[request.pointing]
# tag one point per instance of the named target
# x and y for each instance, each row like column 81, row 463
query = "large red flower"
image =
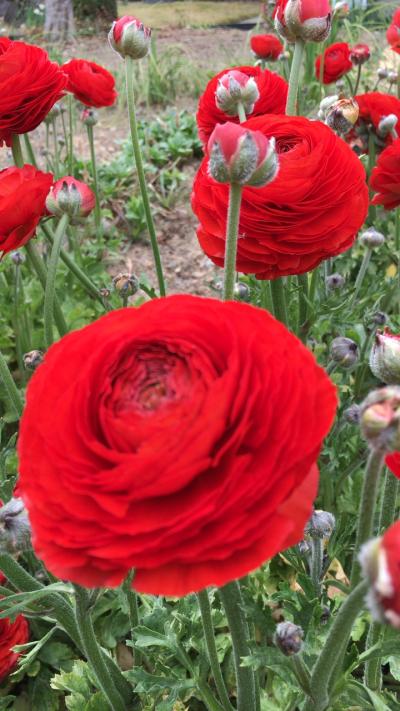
column 23, row 193
column 373, row 107
column 266, row 46
column 393, row 32
column 29, row 86
column 11, row 634
column 90, row 83
column 336, row 62
column 385, row 177
column 310, row 212
column 273, row 92
column 178, row 439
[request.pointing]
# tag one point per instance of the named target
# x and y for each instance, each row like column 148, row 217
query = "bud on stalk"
column 384, row 359
column 380, row 563
column 342, row 115
column 240, row 156
column 71, row 197
column 129, row 37
column 380, row 419
column 288, row 638
column 235, row 92
column 308, row 20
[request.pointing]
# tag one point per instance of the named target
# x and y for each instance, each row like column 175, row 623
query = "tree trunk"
column 59, row 20
column 103, row 10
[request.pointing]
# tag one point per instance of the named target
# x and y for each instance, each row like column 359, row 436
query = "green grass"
column 189, row 14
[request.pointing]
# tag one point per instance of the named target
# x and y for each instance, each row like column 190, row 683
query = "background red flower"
column 336, row 62
column 11, row 634
column 179, row 438
column 29, row 86
column 310, row 212
column 385, row 177
column 273, row 92
column 90, row 83
column 393, row 32
column 266, row 46
column 23, row 193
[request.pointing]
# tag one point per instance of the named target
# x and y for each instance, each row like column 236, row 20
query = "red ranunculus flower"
column 336, row 62
column 310, row 212
column 385, row 177
column 23, row 193
column 11, row 634
column 273, row 93
column 178, row 439
column 90, row 83
column 29, row 86
column 393, row 32
column 266, row 46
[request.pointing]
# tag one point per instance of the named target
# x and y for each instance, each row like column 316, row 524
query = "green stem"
column 71, row 135
column 357, row 79
column 129, row 66
column 40, row 269
column 93, row 652
column 17, row 150
column 361, row 274
column 302, row 280
column 131, row 599
column 87, row 284
column 265, row 295
column 373, row 668
column 294, row 78
column 29, row 150
column 56, row 152
column 350, row 85
column 301, row 671
column 317, row 555
column 321, row 70
column 232, row 230
column 97, row 209
column 50, row 290
column 334, row 646
column 231, row 597
column 205, row 609
column 241, row 112
column 279, row 300
column 10, row 386
column 367, row 508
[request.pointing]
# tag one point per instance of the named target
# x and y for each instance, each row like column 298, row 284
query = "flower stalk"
column 50, row 289
column 10, row 386
column 129, row 65
column 279, row 300
column 231, row 597
column 294, row 79
column 205, row 610
column 232, row 229
column 97, row 209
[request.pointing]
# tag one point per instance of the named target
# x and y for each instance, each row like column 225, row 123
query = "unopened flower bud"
column 325, row 615
column 32, row 359
column 359, row 54
column 53, row 113
column 380, row 563
column 129, row 37
column 387, row 125
column 126, row 284
column 352, row 414
column 342, row 115
column 89, row 117
column 70, row 196
column 384, row 359
column 335, row 281
column 15, row 531
column 242, row 291
column 392, row 77
column 17, row 257
column 105, row 293
column 382, row 73
column 371, row 238
column 309, row 20
column 240, row 156
column 340, row 85
column 341, row 9
column 288, row 638
column 326, row 104
column 379, row 318
column 344, row 351
column 380, row 418
column 321, row 524
column 235, row 88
